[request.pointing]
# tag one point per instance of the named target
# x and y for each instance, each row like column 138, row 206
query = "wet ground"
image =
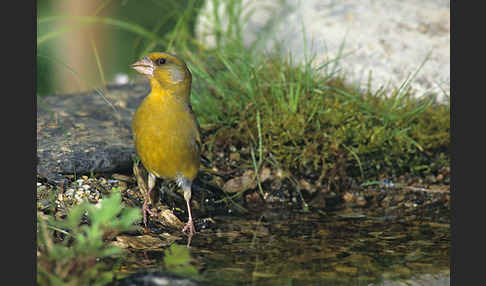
column 374, row 235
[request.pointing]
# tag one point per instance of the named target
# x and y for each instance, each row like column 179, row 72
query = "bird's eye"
column 160, row 61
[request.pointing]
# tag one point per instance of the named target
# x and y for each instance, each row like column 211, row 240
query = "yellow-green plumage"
column 165, row 130
column 166, row 136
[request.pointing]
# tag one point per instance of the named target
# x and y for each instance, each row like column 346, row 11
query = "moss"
column 316, row 124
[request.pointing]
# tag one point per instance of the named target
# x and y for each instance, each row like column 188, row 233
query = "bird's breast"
column 165, row 135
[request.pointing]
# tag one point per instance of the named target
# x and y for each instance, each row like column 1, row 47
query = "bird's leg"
column 145, row 208
column 190, row 223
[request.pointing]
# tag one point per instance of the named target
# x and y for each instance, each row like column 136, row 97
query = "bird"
column 165, row 130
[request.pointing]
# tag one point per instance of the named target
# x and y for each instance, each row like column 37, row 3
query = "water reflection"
column 346, row 247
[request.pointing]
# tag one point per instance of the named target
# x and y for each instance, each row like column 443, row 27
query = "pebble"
column 69, row 193
column 410, row 204
column 360, row 201
column 348, row 197
column 440, row 177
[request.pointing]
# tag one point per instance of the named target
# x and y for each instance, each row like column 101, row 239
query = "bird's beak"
column 144, row 66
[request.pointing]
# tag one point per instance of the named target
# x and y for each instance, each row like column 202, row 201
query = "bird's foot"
column 145, row 210
column 189, row 226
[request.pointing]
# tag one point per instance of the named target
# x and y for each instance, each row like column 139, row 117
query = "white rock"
column 390, row 38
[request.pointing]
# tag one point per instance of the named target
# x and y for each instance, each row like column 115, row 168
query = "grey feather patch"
column 177, row 74
column 185, row 184
column 182, row 181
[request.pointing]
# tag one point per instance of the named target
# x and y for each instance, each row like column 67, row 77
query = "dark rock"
column 83, row 133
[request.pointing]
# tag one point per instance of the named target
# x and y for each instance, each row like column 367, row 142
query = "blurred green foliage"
column 72, row 251
column 160, row 17
column 177, row 260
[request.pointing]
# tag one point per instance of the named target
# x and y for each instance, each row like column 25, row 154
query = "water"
column 278, row 246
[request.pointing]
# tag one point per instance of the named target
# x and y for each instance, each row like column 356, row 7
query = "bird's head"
column 166, row 70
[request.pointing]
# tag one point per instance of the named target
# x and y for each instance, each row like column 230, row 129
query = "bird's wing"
column 198, row 128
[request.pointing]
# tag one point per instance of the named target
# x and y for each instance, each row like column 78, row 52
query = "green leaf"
column 128, row 217
column 74, row 216
column 110, row 207
column 177, row 255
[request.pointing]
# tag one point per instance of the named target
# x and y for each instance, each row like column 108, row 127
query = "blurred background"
column 82, row 44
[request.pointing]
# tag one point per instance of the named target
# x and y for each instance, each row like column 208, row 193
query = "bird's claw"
column 189, row 226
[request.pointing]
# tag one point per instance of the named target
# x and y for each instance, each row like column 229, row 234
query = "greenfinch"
column 165, row 130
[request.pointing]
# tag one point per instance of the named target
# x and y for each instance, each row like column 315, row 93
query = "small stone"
column 385, row 202
column 348, row 197
column 361, row 201
column 265, row 174
column 252, row 197
column 234, row 156
column 307, row 186
column 410, row 204
column 123, row 186
column 238, row 184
